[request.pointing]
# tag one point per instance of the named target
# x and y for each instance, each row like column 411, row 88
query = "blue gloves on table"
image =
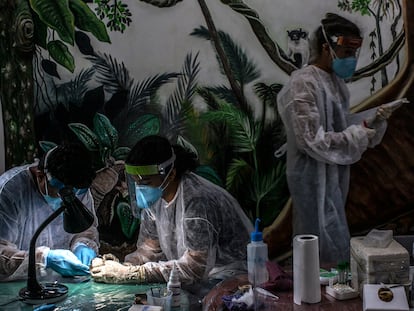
column 84, row 253
column 65, row 263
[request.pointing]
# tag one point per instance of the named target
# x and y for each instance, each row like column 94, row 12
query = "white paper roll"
column 306, row 286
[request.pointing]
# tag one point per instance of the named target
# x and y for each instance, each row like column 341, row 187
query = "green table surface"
column 83, row 296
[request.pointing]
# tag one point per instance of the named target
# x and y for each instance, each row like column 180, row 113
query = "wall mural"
column 104, row 106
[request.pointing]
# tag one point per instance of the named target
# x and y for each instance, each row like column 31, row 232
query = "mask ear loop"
column 168, row 162
column 162, row 187
column 45, row 170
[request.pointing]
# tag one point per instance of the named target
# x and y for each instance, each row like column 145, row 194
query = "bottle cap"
column 256, row 235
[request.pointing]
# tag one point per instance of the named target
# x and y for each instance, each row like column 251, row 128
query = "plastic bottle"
column 257, row 255
column 174, row 285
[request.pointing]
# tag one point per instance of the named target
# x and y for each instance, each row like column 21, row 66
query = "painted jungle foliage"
column 105, row 107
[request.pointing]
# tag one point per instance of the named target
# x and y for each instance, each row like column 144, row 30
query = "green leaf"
column 47, row 145
column 210, row 174
column 129, row 223
column 238, row 173
column 85, row 135
column 86, row 20
column 60, row 53
column 107, row 134
column 56, row 15
column 147, row 124
column 121, row 153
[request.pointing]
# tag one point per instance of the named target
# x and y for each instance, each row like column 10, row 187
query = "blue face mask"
column 53, row 202
column 146, row 196
column 344, row 67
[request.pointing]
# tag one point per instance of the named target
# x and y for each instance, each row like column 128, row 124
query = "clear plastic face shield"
column 143, row 195
column 345, row 53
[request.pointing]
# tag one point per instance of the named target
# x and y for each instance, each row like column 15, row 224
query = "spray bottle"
column 174, row 285
column 257, row 255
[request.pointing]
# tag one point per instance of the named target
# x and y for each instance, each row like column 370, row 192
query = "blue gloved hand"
column 84, row 253
column 47, row 307
column 65, row 263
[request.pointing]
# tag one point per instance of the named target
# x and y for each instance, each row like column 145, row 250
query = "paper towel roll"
column 306, row 286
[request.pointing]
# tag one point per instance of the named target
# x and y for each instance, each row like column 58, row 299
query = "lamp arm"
column 32, row 284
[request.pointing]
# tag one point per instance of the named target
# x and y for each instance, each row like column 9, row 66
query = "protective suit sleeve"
column 148, row 250
column 200, row 238
column 341, row 147
column 14, row 262
column 148, row 244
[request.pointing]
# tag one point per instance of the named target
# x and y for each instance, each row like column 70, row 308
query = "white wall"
column 158, row 38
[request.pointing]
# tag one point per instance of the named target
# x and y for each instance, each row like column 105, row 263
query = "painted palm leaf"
column 243, row 133
column 243, row 68
column 110, row 73
column 74, row 90
column 185, row 90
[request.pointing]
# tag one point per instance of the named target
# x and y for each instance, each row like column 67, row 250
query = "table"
column 213, row 301
column 84, row 296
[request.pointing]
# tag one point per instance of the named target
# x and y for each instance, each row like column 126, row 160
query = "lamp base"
column 50, row 293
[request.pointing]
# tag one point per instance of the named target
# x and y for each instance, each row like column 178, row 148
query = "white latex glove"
column 384, row 112
column 112, row 271
column 370, row 132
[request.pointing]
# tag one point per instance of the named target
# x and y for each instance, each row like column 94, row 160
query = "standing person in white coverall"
column 28, row 195
column 323, row 138
column 185, row 220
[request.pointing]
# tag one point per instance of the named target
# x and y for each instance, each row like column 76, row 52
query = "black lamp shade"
column 76, row 217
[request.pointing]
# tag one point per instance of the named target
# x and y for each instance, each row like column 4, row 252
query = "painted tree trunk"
column 16, row 81
column 381, row 190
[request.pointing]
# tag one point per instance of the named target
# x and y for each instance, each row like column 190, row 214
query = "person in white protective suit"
column 185, row 220
column 324, row 138
column 29, row 195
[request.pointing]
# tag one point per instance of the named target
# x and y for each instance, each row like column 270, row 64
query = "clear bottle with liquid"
column 257, row 256
column 174, row 285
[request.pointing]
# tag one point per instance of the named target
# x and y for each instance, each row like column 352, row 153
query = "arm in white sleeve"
column 14, row 262
column 342, row 147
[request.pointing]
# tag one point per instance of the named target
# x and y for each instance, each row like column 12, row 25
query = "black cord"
column 11, row 301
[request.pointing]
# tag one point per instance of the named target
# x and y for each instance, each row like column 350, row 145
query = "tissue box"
column 371, row 301
column 374, row 265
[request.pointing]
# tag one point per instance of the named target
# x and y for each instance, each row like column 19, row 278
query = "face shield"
column 344, row 52
column 144, row 196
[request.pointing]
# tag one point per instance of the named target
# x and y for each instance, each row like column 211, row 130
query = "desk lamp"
column 76, row 218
